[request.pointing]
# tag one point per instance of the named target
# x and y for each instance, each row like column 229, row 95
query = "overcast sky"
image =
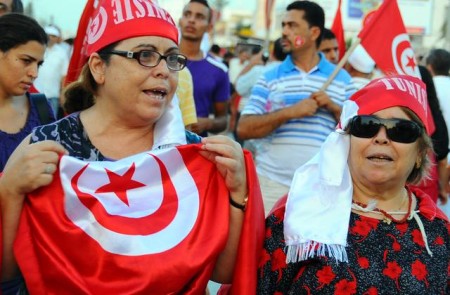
column 66, row 13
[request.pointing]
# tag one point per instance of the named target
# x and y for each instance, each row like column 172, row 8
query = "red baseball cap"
column 116, row 20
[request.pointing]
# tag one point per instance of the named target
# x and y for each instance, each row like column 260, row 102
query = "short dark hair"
column 18, row 29
column 439, row 60
column 314, row 15
column 277, row 51
column 215, row 49
column 328, row 34
column 17, row 6
column 204, row 2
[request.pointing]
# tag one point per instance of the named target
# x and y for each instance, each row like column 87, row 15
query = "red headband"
column 400, row 90
column 116, row 20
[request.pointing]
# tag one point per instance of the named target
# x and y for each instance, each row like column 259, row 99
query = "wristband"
column 242, row 206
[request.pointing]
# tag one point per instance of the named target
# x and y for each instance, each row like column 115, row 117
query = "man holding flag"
column 287, row 108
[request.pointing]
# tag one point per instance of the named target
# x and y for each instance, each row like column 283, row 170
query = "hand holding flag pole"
column 341, row 64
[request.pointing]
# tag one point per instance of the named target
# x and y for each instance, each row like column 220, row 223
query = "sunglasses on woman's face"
column 398, row 130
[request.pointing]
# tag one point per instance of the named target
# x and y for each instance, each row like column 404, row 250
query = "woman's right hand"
column 29, row 167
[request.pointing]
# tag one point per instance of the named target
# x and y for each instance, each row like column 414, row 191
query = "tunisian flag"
column 79, row 55
column 385, row 39
column 153, row 223
column 268, row 12
column 338, row 29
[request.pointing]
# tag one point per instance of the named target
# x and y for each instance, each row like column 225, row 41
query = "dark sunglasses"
column 398, row 130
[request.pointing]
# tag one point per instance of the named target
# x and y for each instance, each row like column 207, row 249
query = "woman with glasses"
column 122, row 106
column 351, row 223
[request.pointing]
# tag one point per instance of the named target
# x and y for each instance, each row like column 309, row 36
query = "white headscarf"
column 319, row 201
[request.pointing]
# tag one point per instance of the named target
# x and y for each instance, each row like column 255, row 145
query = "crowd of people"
column 170, row 166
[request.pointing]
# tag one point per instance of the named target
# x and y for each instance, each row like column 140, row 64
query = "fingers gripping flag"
column 153, row 223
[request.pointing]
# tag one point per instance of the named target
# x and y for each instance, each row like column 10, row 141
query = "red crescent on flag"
column 150, row 224
column 164, row 173
column 402, row 54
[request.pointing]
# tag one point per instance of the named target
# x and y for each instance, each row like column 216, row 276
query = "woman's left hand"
column 229, row 158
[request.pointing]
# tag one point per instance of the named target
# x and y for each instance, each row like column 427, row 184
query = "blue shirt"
column 295, row 142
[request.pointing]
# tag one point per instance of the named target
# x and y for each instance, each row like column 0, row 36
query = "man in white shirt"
column 360, row 66
column 438, row 63
column 54, row 69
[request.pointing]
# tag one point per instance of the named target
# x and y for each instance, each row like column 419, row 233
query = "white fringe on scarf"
column 311, row 249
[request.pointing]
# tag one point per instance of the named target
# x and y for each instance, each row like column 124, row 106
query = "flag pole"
column 341, row 64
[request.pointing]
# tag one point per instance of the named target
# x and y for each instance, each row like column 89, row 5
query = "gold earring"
column 418, row 163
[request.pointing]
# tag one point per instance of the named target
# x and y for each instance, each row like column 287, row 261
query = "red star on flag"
column 411, row 62
column 119, row 184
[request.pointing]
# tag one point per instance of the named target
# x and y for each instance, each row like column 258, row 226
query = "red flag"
column 252, row 237
column 148, row 224
column 338, row 30
column 79, row 56
column 385, row 39
column 268, row 12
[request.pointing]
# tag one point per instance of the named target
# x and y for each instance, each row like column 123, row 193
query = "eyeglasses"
column 151, row 58
column 398, row 130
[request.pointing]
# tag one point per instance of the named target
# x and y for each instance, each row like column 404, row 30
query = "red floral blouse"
column 383, row 259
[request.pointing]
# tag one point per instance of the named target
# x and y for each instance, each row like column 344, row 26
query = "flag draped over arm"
column 338, row 29
column 385, row 39
column 153, row 223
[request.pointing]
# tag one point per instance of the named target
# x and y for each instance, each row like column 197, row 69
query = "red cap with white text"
column 116, row 20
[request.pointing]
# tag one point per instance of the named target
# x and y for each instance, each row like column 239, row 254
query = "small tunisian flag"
column 385, row 39
column 153, row 223
column 268, row 12
column 338, row 29
column 79, row 56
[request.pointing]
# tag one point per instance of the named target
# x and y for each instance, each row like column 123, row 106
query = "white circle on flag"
column 132, row 244
column 403, row 56
column 97, row 26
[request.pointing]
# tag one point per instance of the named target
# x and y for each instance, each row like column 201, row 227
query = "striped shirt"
column 296, row 141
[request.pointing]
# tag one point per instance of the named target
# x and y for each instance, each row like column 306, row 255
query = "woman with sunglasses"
column 119, row 108
column 350, row 223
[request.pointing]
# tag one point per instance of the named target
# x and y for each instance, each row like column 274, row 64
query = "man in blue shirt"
column 287, row 109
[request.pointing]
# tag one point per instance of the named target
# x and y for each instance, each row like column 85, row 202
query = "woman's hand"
column 229, row 159
column 30, row 166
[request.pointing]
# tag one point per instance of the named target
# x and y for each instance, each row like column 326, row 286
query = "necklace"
column 387, row 216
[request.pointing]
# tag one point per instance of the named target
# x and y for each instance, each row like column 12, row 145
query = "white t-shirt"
column 442, row 85
column 52, row 70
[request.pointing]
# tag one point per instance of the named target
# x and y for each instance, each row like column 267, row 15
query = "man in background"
column 210, row 78
column 438, row 63
column 252, row 72
column 329, row 46
column 214, row 51
column 287, row 110
column 53, row 71
column 360, row 66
